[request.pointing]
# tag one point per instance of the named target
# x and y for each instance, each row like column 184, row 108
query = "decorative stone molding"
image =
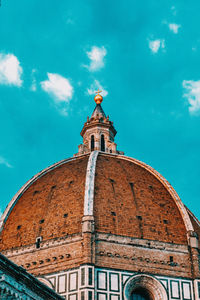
column 193, row 239
column 46, row 281
column 143, row 259
column 88, row 224
column 149, row 244
column 149, row 283
column 17, row 283
column 46, row 261
column 44, row 245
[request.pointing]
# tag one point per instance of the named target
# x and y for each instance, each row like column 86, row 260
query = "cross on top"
column 97, row 92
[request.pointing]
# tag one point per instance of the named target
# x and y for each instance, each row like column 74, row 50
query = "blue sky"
column 144, row 55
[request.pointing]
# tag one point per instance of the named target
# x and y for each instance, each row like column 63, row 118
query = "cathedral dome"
column 125, row 196
column 102, row 225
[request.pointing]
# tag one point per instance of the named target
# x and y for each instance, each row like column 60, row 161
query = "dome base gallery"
column 103, row 226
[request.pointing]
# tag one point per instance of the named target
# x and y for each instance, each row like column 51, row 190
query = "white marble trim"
column 89, row 184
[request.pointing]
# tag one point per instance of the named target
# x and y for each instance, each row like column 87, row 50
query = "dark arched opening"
column 102, row 143
column 141, row 294
column 92, row 143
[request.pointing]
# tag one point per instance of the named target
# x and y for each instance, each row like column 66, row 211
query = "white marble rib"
column 89, row 184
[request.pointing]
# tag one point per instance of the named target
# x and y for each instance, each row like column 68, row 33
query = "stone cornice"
column 149, row 244
column 44, row 245
column 89, row 125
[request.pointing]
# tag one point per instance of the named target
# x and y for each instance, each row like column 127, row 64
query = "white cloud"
column 173, row 8
column 58, row 87
column 174, row 27
column 4, row 162
column 155, row 45
column 96, row 56
column 10, row 70
column 33, row 85
column 192, row 94
column 94, row 87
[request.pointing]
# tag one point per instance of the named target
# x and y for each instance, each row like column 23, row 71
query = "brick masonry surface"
column 52, row 207
column 130, row 201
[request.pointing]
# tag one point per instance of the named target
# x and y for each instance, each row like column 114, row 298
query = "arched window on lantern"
column 102, row 143
column 92, row 143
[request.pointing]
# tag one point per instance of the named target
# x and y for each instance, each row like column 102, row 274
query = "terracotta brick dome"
column 102, row 226
column 129, row 199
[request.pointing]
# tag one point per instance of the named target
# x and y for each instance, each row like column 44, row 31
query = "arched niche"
column 145, row 285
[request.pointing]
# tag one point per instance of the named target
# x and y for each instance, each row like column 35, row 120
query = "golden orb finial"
column 98, row 98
